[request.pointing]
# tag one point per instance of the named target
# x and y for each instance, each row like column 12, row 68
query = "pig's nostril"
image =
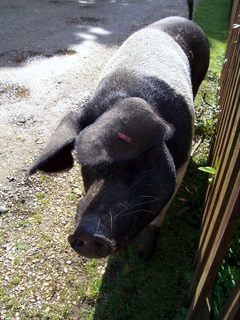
column 75, row 242
column 78, row 244
column 99, row 245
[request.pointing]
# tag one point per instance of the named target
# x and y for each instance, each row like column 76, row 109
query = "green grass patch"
column 15, row 279
column 38, row 218
column 40, row 195
column 21, row 246
column 213, row 17
column 227, row 276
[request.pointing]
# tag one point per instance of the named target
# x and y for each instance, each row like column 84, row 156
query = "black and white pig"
column 133, row 137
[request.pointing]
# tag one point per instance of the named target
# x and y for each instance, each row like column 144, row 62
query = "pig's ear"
column 57, row 155
column 122, row 133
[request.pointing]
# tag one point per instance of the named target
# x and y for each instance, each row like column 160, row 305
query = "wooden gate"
column 221, row 209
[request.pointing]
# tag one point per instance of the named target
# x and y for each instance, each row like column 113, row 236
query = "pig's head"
column 128, row 172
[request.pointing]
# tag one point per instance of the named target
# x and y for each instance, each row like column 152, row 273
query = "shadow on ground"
column 157, row 290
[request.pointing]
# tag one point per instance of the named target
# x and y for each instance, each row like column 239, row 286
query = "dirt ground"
column 51, row 54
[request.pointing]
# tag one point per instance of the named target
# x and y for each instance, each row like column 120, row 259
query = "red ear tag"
column 124, row 137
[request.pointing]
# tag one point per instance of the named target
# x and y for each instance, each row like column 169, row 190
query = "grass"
column 227, row 276
column 213, row 17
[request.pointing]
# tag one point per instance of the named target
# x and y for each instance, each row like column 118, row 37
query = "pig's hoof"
column 148, row 242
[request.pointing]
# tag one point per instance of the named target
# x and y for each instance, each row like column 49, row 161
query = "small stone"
column 47, row 310
column 3, row 209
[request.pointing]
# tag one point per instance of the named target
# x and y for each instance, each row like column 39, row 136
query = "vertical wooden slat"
column 231, row 310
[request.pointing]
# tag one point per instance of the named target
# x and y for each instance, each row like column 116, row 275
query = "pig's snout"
column 90, row 244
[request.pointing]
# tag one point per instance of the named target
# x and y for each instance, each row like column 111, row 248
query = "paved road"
column 51, row 54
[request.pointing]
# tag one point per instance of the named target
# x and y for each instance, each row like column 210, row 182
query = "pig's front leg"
column 149, row 236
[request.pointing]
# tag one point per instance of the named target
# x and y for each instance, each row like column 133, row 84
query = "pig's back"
column 151, row 52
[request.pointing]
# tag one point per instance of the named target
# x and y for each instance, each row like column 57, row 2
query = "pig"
column 133, row 137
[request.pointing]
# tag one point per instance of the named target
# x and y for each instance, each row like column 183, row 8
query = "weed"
column 21, row 246
column 40, row 195
column 1, row 237
column 71, row 196
column 46, row 236
column 42, row 315
column 86, row 313
column 16, row 260
column 4, row 294
column 16, row 279
column 94, row 285
column 42, row 177
column 12, row 304
column 212, row 171
column 65, row 52
column 23, row 56
column 23, row 223
column 18, row 138
column 38, row 218
column 44, row 201
column 13, row 90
